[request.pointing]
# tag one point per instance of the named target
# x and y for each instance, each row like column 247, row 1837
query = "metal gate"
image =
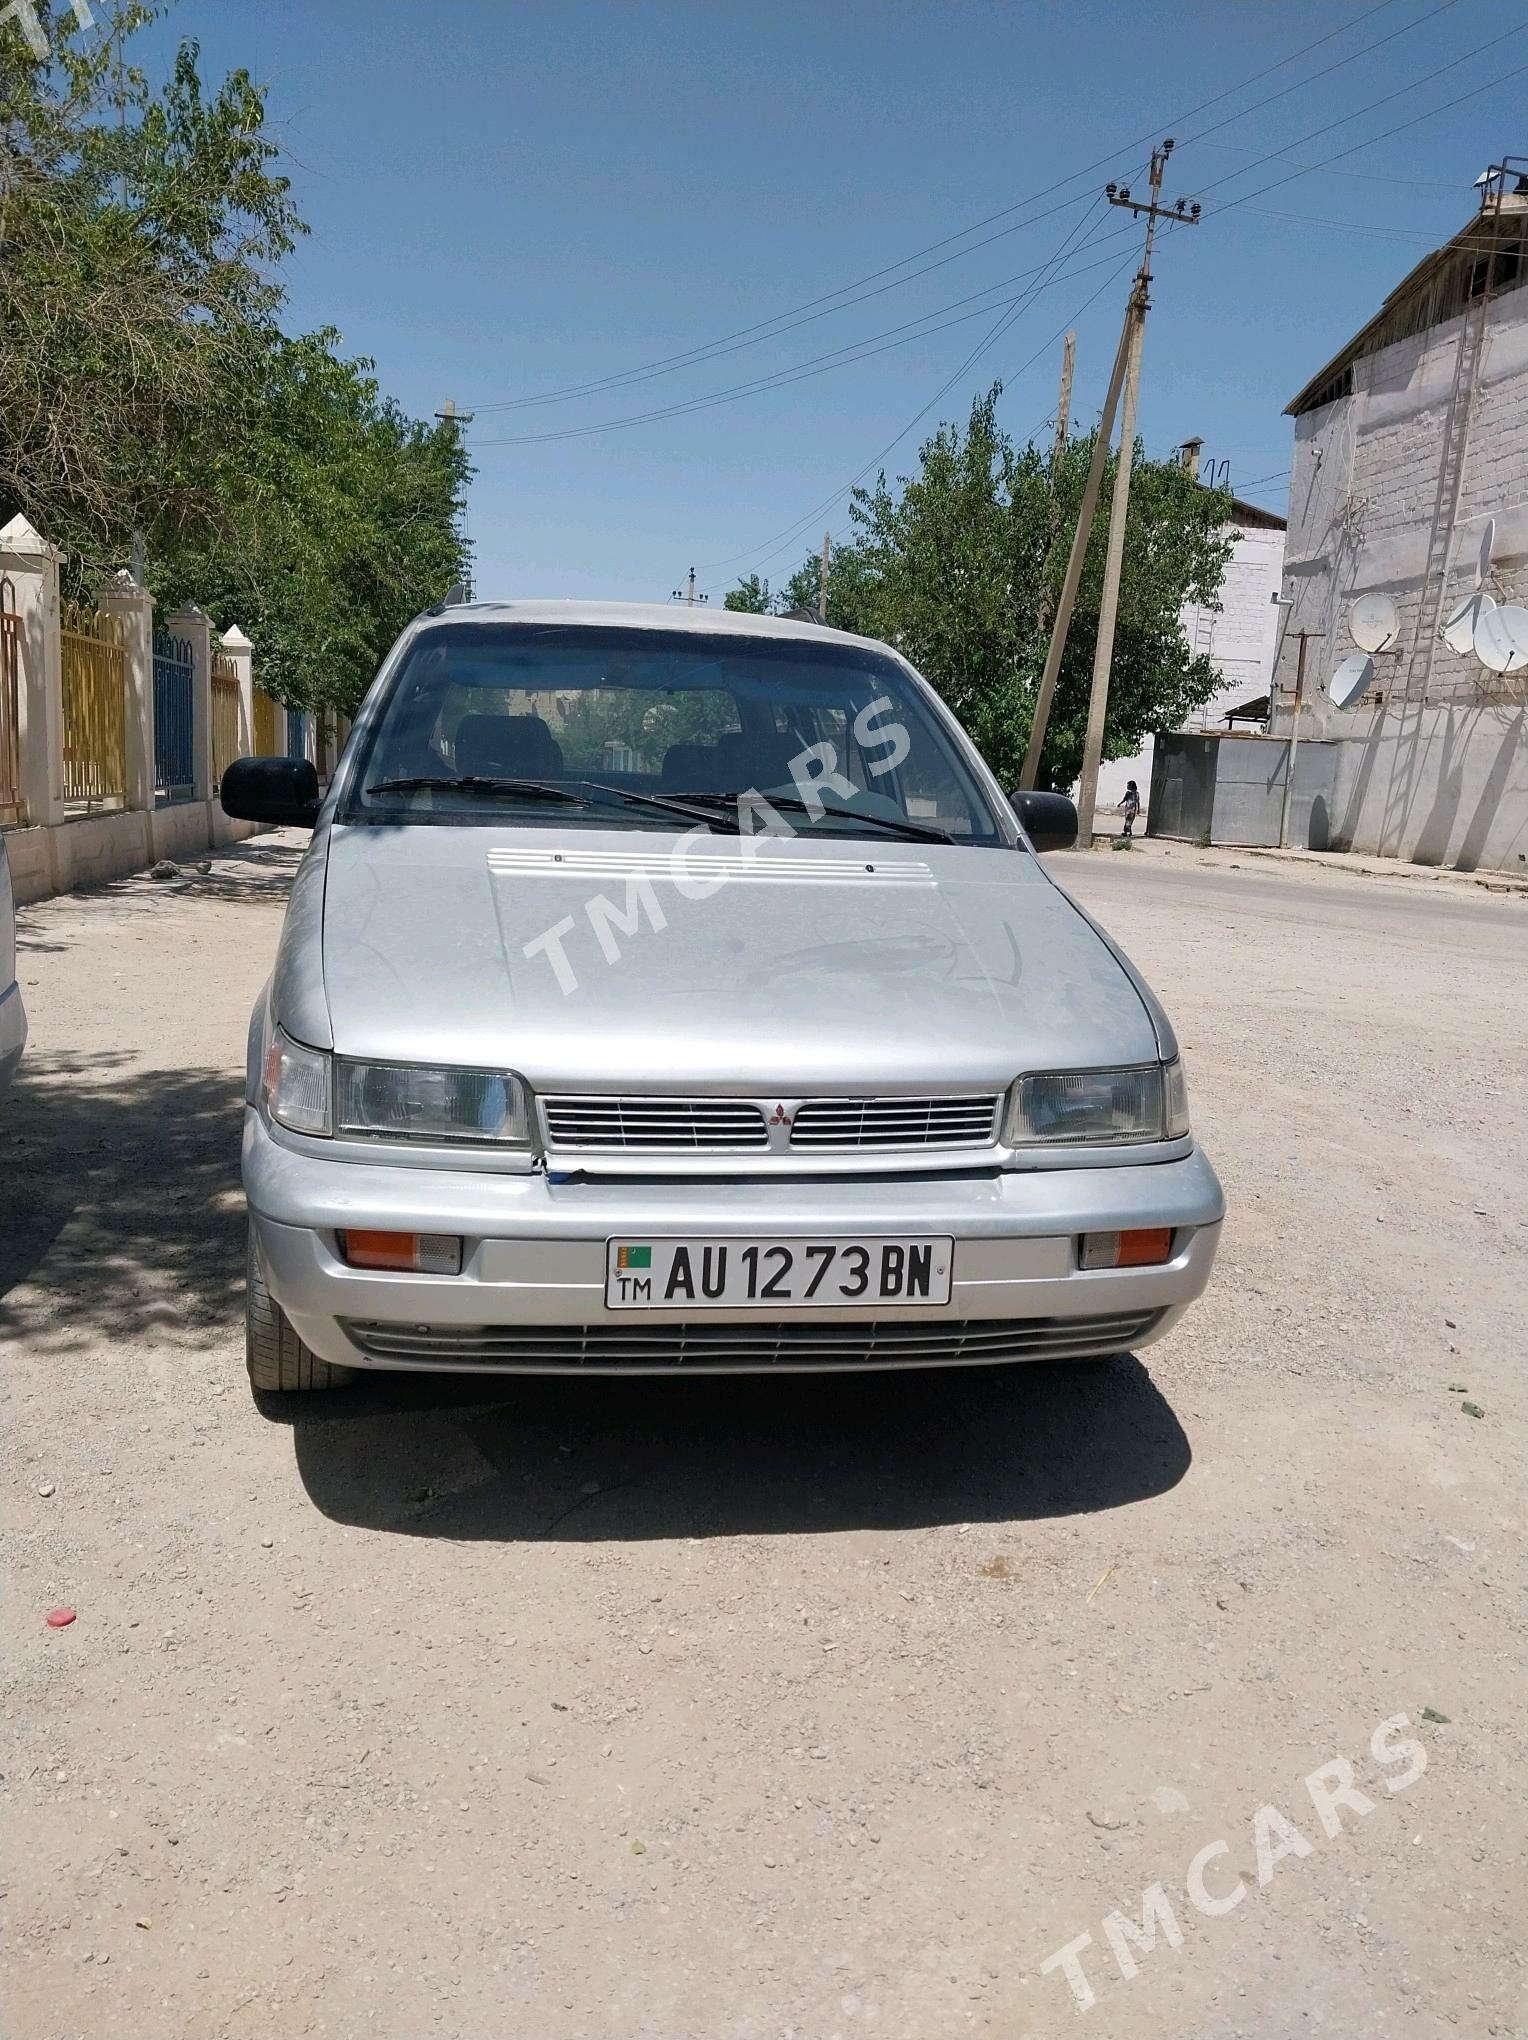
column 94, row 660
column 225, row 716
column 296, row 734
column 174, row 765
column 1182, row 800
column 11, row 811
column 265, row 725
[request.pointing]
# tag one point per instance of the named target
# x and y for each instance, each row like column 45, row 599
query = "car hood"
column 600, row 959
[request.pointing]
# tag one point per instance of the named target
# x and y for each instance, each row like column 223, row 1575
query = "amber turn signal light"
column 1146, row 1247
column 415, row 1253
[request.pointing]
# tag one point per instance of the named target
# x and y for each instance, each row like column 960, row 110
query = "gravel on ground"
column 745, row 1709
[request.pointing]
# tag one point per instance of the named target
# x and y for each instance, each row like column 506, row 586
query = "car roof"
column 705, row 621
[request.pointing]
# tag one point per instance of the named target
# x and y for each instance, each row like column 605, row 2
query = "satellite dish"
column 1501, row 639
column 1375, row 623
column 1350, row 680
column 1487, row 546
column 1464, row 620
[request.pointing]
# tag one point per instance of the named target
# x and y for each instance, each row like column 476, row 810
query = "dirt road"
column 741, row 1710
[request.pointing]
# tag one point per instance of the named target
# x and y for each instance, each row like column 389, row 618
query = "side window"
column 931, row 794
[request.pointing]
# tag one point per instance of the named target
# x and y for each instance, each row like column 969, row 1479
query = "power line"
column 820, row 364
column 797, row 314
column 1370, row 141
column 1230, row 204
column 1325, row 72
column 790, row 536
column 782, row 540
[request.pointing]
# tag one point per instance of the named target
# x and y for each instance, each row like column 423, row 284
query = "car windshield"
column 563, row 724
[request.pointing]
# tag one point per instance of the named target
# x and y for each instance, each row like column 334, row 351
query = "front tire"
column 278, row 1361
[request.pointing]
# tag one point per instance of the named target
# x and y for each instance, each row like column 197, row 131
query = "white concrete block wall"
column 1445, row 781
column 1239, row 635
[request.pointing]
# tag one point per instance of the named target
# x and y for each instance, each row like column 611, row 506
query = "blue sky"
column 507, row 198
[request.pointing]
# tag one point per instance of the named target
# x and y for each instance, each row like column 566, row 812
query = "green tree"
column 146, row 386
column 750, row 595
column 959, row 565
column 337, row 525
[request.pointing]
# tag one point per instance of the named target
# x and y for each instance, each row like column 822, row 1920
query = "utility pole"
column 1073, row 576
column 458, row 420
column 687, row 594
column 822, row 585
column 1063, row 433
column 1064, row 405
column 1294, row 744
column 1119, row 510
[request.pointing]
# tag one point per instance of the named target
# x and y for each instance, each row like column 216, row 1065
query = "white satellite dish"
column 1350, row 680
column 1487, row 547
column 1501, row 639
column 1464, row 620
column 1375, row 623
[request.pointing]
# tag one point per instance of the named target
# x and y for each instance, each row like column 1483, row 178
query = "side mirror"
column 277, row 791
column 1049, row 820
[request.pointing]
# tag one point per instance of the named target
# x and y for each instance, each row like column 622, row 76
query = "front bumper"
column 531, row 1294
column 13, row 1035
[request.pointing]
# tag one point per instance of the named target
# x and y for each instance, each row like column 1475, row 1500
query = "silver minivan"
column 678, row 991
column 13, row 1019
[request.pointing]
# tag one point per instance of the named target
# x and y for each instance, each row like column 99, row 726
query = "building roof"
column 1255, row 517
column 1438, row 288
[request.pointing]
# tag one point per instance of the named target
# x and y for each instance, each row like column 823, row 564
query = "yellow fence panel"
column 95, row 707
column 10, row 705
column 225, row 715
column 265, row 725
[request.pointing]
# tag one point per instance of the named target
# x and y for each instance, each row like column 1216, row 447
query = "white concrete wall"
column 1239, row 635
column 1443, row 781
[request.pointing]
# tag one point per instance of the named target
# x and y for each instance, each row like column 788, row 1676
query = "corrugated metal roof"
column 1506, row 222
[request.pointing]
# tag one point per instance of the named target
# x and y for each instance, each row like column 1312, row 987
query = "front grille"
column 894, row 1122
column 742, row 1348
column 727, row 1125
column 655, row 1125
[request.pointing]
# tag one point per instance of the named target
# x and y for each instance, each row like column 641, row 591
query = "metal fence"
column 296, row 734
column 174, row 760
column 265, row 725
column 225, row 716
column 11, row 810
column 94, row 659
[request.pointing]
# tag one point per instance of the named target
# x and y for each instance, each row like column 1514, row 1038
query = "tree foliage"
column 750, row 595
column 960, row 567
column 146, row 385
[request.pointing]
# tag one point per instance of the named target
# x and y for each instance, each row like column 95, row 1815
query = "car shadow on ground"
column 119, row 1202
column 602, row 1459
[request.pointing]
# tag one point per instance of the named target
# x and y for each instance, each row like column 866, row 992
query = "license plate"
column 728, row 1274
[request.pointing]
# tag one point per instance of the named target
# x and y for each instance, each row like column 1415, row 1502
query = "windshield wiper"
column 536, row 789
column 695, row 813
column 474, row 782
column 916, row 832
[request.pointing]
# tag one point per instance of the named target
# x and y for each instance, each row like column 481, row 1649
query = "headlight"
column 297, row 1085
column 1076, row 1108
column 404, row 1101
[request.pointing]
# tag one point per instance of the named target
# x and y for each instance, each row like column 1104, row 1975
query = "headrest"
column 692, row 768
column 507, row 747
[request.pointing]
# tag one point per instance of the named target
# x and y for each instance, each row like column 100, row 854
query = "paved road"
column 740, row 1710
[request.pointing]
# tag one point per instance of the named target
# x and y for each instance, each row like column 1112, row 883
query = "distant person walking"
column 1130, row 806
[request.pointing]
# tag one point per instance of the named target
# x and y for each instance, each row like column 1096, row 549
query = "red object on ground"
column 59, row 1618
